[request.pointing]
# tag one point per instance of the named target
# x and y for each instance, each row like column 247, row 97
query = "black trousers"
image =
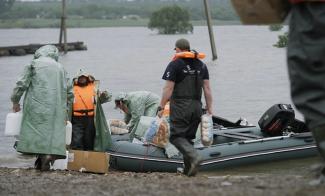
column 83, row 133
column 185, row 116
column 306, row 63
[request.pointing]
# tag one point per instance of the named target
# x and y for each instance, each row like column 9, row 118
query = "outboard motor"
column 276, row 119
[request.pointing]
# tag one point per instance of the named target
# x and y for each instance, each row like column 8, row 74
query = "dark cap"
column 183, row 44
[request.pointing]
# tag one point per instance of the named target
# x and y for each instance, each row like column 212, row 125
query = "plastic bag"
column 117, row 127
column 206, row 130
column 157, row 133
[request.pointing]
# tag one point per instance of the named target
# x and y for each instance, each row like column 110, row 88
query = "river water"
column 249, row 76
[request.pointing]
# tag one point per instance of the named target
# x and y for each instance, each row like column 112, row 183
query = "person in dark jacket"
column 185, row 79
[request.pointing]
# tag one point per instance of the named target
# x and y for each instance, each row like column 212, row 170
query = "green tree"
column 283, row 41
column 171, row 20
column 5, row 5
column 275, row 27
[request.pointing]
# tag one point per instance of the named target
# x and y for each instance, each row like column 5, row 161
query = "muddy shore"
column 284, row 178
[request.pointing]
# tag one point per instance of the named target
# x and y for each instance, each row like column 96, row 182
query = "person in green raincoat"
column 90, row 131
column 47, row 96
column 136, row 104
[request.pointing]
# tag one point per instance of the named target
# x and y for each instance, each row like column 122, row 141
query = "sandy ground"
column 286, row 178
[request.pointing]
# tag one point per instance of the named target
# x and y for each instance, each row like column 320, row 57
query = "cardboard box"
column 86, row 161
column 261, row 11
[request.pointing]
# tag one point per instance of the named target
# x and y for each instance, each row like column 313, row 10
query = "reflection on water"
column 249, row 76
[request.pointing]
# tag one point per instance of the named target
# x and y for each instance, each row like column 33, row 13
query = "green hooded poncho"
column 139, row 103
column 47, row 96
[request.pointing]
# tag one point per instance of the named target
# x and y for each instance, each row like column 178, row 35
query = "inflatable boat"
column 278, row 137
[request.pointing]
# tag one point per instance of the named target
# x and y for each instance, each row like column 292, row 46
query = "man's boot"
column 187, row 164
column 46, row 160
column 319, row 135
column 192, row 159
column 38, row 162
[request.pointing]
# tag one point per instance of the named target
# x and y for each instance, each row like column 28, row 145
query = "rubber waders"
column 319, row 135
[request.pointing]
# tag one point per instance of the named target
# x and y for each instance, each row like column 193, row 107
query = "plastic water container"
column 68, row 133
column 13, row 123
column 61, row 164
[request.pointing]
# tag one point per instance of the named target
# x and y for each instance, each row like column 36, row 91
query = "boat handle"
column 215, row 154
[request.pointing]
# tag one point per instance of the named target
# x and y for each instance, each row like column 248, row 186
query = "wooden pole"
column 208, row 16
column 63, row 28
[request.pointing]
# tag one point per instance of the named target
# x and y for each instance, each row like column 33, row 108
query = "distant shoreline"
column 91, row 23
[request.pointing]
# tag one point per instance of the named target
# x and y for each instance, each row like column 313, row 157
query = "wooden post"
column 208, row 16
column 63, row 28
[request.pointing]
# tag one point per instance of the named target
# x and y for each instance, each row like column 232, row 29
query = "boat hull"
column 225, row 153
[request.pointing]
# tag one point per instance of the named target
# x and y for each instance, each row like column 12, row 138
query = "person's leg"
column 306, row 66
column 190, row 155
column 77, row 133
column 38, row 162
column 46, row 160
column 319, row 135
column 180, row 126
column 89, row 134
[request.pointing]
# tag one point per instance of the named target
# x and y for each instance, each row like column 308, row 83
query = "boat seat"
column 241, row 136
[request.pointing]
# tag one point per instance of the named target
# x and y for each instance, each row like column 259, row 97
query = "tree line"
column 114, row 9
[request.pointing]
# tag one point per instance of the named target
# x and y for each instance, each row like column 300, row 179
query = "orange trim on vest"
column 84, row 100
column 189, row 55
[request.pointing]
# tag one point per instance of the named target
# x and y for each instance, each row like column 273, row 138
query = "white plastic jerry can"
column 13, row 123
column 68, row 133
column 61, row 164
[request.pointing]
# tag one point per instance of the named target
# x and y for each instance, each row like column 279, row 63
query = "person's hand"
column 103, row 94
column 16, row 107
column 209, row 111
column 160, row 111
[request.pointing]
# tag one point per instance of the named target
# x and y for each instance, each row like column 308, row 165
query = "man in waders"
column 306, row 64
column 185, row 78
column 86, row 119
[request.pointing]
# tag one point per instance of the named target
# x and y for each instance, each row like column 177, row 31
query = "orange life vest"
column 189, row 54
column 84, row 100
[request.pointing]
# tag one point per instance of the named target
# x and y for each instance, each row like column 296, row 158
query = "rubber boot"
column 190, row 156
column 38, row 162
column 46, row 160
column 319, row 135
column 320, row 180
column 187, row 164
